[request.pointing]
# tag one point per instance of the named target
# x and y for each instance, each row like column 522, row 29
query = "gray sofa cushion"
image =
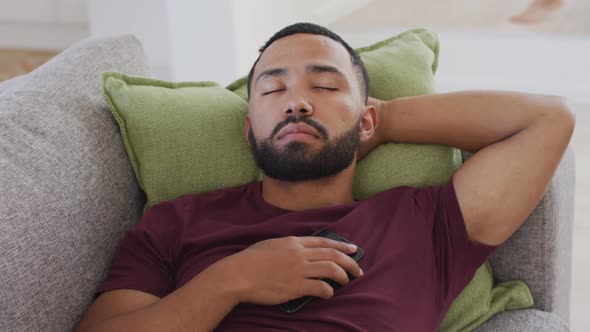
column 11, row 84
column 528, row 320
column 67, row 191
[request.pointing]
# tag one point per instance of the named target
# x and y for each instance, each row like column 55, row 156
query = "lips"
column 298, row 128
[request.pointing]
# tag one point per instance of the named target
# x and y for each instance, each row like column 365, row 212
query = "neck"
column 303, row 195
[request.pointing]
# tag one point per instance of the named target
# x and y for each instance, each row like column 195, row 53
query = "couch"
column 68, row 193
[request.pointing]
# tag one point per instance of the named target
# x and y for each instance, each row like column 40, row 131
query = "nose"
column 297, row 105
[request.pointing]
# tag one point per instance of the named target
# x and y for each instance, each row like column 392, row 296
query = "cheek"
column 342, row 112
column 262, row 126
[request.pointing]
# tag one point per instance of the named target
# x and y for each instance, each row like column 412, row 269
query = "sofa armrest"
column 540, row 251
column 528, row 320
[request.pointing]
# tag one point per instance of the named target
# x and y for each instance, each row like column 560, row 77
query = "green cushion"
column 184, row 138
column 181, row 138
column 481, row 299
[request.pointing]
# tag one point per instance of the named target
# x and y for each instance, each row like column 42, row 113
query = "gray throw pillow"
column 67, row 190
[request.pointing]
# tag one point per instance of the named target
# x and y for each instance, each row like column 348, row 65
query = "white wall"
column 148, row 20
column 42, row 24
column 202, row 42
column 204, row 39
column 257, row 20
column 531, row 62
column 219, row 40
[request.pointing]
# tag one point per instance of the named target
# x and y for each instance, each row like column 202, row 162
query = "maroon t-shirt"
column 417, row 259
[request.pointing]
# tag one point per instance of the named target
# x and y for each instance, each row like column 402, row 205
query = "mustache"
column 297, row 119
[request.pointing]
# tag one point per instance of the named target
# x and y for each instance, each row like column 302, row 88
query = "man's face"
column 305, row 109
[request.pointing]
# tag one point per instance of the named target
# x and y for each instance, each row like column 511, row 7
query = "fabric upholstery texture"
column 67, row 190
column 12, row 83
column 527, row 320
column 181, row 138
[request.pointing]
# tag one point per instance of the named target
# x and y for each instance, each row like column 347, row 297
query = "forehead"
column 303, row 49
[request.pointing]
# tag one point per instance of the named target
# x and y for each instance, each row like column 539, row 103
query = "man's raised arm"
column 518, row 140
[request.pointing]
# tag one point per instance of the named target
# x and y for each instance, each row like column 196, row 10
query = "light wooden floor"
column 18, row 62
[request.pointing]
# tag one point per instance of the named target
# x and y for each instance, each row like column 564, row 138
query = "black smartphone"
column 296, row 304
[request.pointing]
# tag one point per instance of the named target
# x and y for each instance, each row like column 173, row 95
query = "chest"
column 398, row 251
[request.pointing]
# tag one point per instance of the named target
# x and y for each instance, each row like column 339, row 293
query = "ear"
column 247, row 128
column 369, row 122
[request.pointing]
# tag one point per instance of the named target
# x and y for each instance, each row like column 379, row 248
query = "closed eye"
column 269, row 92
column 326, row 88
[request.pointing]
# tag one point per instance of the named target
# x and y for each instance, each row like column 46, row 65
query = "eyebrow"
column 272, row 72
column 318, row 69
column 324, row 69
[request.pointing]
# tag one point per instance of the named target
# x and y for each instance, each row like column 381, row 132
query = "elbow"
column 566, row 116
column 560, row 114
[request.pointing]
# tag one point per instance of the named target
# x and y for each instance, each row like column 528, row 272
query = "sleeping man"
column 230, row 259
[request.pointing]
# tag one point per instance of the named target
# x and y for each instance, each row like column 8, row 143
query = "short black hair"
column 314, row 29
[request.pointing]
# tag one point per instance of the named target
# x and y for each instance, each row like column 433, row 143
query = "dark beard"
column 294, row 162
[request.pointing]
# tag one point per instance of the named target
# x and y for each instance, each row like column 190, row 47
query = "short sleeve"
column 144, row 259
column 457, row 258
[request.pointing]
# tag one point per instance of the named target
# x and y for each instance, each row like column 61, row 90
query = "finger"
column 326, row 269
column 333, row 255
column 318, row 288
column 322, row 242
